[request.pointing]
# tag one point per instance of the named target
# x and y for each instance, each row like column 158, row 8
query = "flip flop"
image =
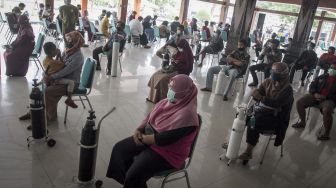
column 323, row 138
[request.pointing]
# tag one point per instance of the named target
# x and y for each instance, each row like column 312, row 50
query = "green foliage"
column 104, row 2
column 279, row 6
column 162, row 3
column 203, row 15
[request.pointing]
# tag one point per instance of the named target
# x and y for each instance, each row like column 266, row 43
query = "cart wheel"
column 98, row 183
column 245, row 162
column 51, row 143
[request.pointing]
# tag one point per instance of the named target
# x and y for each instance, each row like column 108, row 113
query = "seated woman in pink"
column 162, row 141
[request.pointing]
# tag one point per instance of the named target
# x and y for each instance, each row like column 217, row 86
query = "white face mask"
column 180, row 49
column 178, row 32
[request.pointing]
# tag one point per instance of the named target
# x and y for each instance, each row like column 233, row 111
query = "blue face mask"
column 275, row 76
column 171, row 95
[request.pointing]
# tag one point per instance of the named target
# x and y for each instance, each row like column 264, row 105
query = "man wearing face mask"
column 216, row 45
column 271, row 54
column 306, row 62
column 172, row 42
column 274, row 99
column 237, row 63
column 120, row 36
column 327, row 59
column 322, row 94
column 69, row 15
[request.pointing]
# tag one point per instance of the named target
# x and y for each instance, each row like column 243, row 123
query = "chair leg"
column 269, row 140
column 35, row 61
column 87, row 98
column 164, row 182
column 281, row 154
column 82, row 101
column 234, row 87
column 66, row 114
column 307, row 117
column 187, row 178
column 120, row 64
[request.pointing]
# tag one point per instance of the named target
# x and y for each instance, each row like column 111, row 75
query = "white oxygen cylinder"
column 219, row 90
column 236, row 136
column 115, row 56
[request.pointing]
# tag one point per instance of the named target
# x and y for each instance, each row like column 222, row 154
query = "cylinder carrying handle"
column 107, row 114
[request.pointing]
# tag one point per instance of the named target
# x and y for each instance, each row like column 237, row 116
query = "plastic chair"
column 85, row 85
column 2, row 23
column 95, row 34
column 58, row 35
column 37, row 51
column 271, row 136
column 241, row 78
column 224, row 36
column 166, row 174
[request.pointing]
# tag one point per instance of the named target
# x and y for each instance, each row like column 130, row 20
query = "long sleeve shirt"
column 136, row 27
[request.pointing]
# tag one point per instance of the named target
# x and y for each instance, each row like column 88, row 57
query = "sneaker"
column 299, row 125
column 206, row 89
column 253, row 84
column 200, row 65
column 146, row 47
column 225, row 98
column 302, row 84
column 108, row 72
column 98, row 68
column 71, row 103
column 245, row 156
column 25, row 117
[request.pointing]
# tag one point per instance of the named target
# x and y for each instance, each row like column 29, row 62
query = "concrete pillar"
column 51, row 3
column 122, row 13
column 224, row 11
column 241, row 23
column 2, row 3
column 333, row 35
column 84, row 5
column 319, row 27
column 184, row 10
column 303, row 27
column 137, row 7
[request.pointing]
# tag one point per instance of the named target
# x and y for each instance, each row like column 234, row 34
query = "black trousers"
column 133, row 165
column 260, row 67
column 143, row 39
column 296, row 67
column 252, row 135
column 98, row 51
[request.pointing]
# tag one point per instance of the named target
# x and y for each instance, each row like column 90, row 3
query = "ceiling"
column 323, row 3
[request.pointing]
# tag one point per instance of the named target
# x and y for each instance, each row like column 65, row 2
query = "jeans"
column 150, row 34
column 215, row 70
column 260, row 67
column 98, row 51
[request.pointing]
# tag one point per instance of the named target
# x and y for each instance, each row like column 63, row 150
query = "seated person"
column 271, row 54
column 181, row 63
column 288, row 45
column 171, row 42
column 107, row 48
column 207, row 30
column 269, row 41
column 237, row 63
column 137, row 32
column 216, row 45
column 86, row 24
column 322, row 94
column 53, row 66
column 163, row 140
column 164, row 31
column 306, row 62
column 40, row 13
column 104, row 27
column 174, row 25
column 327, row 59
column 257, row 46
column 274, row 98
column 48, row 15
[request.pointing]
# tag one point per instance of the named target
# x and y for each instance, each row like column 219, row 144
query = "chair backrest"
column 127, row 30
column 92, row 28
column 39, row 44
column 156, row 32
column 88, row 71
column 58, row 27
column 193, row 146
column 224, row 36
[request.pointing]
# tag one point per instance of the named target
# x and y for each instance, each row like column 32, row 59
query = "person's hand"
column 256, row 95
column 319, row 97
column 47, row 79
column 148, row 139
column 137, row 137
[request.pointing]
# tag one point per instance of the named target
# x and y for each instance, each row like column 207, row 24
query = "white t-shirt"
column 136, row 27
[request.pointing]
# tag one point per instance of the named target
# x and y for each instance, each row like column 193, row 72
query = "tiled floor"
column 306, row 161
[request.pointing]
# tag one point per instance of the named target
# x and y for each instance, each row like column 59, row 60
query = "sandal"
column 299, row 125
column 323, row 138
column 320, row 134
column 71, row 103
column 245, row 156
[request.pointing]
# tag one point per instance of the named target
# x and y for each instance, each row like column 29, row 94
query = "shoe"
column 200, row 65
column 299, row 125
column 225, row 98
column 146, row 47
column 108, row 72
column 71, row 103
column 245, row 156
column 98, row 68
column 302, row 84
column 147, row 100
column 253, row 84
column 25, row 117
column 206, row 89
column 29, row 127
column 85, row 45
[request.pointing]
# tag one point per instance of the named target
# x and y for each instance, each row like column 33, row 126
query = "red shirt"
column 207, row 30
column 326, row 89
column 330, row 58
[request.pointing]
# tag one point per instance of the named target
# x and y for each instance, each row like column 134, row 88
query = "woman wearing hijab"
column 17, row 54
column 162, row 141
column 182, row 63
column 73, row 59
column 274, row 98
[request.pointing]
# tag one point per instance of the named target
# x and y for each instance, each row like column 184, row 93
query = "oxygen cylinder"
column 37, row 112
column 219, row 90
column 115, row 58
column 198, row 49
column 88, row 150
column 165, row 60
column 236, row 136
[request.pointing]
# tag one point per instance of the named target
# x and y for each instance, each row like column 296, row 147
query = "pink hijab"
column 182, row 113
